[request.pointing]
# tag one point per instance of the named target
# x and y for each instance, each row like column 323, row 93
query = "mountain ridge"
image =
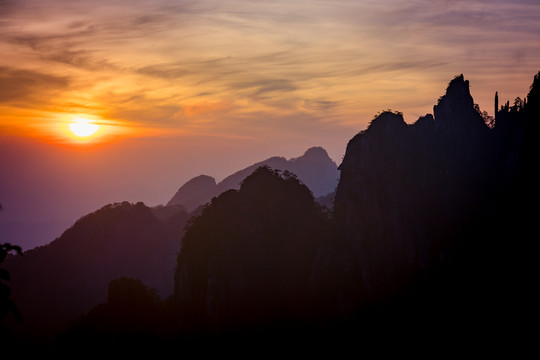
column 429, row 233
column 71, row 274
column 314, row 168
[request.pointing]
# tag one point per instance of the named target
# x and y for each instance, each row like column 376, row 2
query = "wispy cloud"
column 146, row 62
column 320, row 105
column 263, row 87
column 168, row 72
column 29, row 88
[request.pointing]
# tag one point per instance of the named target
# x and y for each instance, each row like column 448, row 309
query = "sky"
column 183, row 88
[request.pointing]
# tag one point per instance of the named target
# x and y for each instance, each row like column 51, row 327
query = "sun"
column 83, row 128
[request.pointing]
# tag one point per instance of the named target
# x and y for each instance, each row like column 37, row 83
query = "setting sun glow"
column 83, row 128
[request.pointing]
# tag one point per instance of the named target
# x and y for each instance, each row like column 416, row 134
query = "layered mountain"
column 314, row 168
column 56, row 283
column 415, row 235
column 430, row 232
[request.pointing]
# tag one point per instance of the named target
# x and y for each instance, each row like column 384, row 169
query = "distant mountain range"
column 129, row 240
column 430, row 232
column 314, row 168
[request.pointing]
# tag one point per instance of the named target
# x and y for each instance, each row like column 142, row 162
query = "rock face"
column 315, row 169
column 406, row 190
column 455, row 113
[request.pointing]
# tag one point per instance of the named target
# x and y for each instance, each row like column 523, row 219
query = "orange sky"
column 182, row 88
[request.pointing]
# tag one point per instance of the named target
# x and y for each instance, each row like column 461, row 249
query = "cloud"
column 29, row 88
column 320, row 105
column 263, row 86
column 205, row 108
column 164, row 71
column 145, row 61
column 401, row 65
column 7, row 6
column 64, row 47
column 79, row 58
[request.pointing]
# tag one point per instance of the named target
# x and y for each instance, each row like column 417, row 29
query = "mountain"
column 196, row 192
column 247, row 259
column 431, row 235
column 433, row 213
column 314, row 168
column 56, row 283
column 402, row 184
column 425, row 230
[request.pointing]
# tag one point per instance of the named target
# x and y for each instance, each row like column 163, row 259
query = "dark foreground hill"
column 248, row 258
column 58, row 282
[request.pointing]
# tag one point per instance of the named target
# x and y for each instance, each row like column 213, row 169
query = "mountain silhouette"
column 415, row 236
column 196, row 192
column 56, row 283
column 432, row 214
column 314, row 168
column 247, row 259
column 401, row 185
column 431, row 235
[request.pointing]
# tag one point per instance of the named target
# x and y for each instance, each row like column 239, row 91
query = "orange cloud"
column 205, row 107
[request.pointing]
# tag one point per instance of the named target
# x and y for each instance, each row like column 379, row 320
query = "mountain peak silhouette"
column 431, row 221
column 314, row 168
column 315, row 153
column 456, row 113
column 199, row 189
column 388, row 121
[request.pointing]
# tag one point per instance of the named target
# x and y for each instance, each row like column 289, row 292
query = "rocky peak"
column 533, row 97
column 384, row 135
column 425, row 121
column 315, row 153
column 191, row 192
column 387, row 121
column 455, row 111
column 315, row 169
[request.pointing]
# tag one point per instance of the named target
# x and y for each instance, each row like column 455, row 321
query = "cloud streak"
column 143, row 62
column 29, row 88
